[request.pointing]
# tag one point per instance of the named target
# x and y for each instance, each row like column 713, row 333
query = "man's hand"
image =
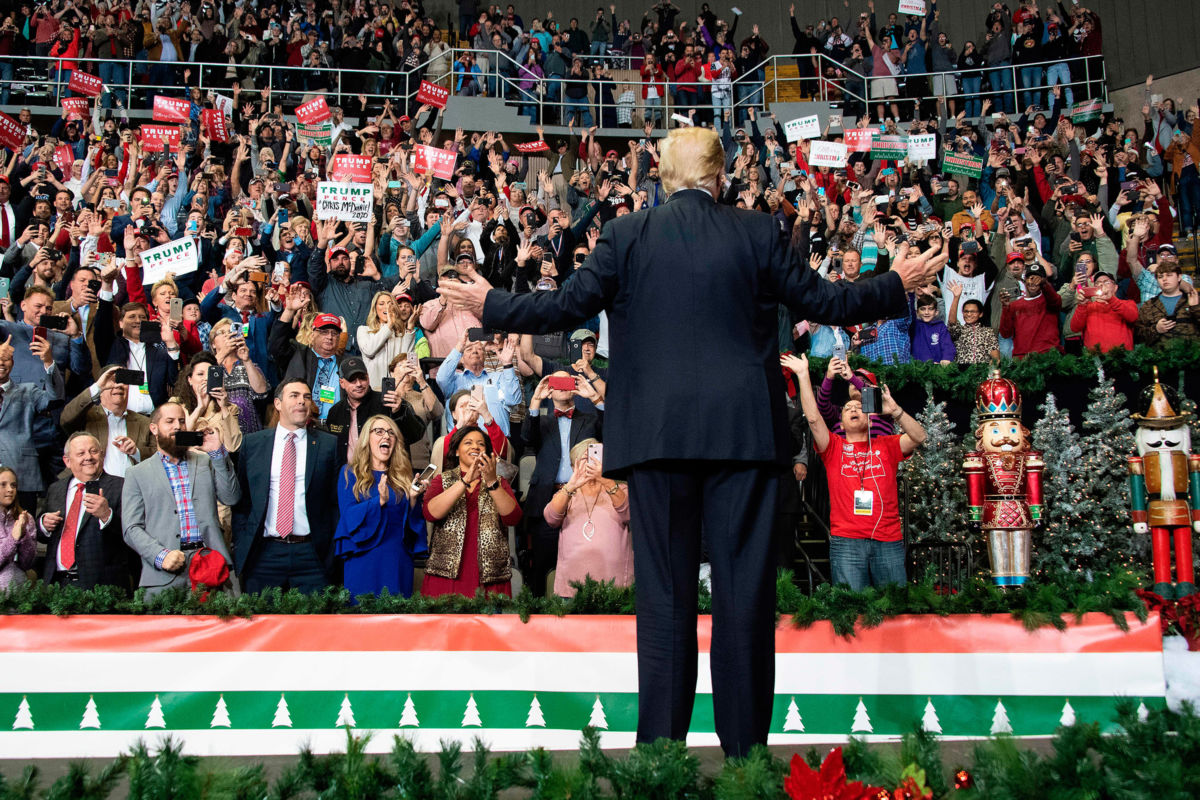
column 797, row 364
column 468, row 296
column 889, row 407
column 1164, row 325
column 800, row 471
column 41, row 348
column 174, row 561
column 97, row 505
column 52, row 520
column 212, row 441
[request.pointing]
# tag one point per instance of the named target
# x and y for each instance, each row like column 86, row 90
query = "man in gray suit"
column 169, row 502
column 20, row 404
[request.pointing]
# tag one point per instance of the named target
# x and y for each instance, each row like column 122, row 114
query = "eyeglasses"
column 383, row 432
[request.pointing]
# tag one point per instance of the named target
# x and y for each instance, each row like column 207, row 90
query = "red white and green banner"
column 91, row 686
column 1087, row 110
column 962, row 164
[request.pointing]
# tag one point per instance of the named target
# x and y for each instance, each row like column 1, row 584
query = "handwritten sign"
column 177, row 257
column 432, row 159
column 85, row 84
column 858, row 140
column 827, row 154
column 313, row 111
column 348, row 167
column 802, row 128
column 76, row 107
column 432, row 94
column 346, row 202
column 158, row 135
column 922, row 148
column 171, row 109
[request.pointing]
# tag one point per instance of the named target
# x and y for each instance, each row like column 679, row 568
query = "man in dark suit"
column 545, row 431
column 359, row 403
column 159, row 360
column 284, row 536
column 81, row 305
column 701, row 446
column 316, row 365
column 82, row 529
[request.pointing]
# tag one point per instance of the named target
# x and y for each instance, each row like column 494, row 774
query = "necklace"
column 589, row 527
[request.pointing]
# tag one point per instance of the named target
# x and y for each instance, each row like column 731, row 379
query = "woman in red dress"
column 469, row 507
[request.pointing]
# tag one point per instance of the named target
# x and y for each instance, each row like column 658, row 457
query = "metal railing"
column 136, row 82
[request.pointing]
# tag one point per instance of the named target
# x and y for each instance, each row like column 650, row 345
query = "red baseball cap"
column 1014, row 256
column 339, row 250
column 326, row 321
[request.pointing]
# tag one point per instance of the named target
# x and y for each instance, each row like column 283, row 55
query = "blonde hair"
column 395, row 324
column 399, row 469
column 692, row 158
column 580, row 449
column 165, row 283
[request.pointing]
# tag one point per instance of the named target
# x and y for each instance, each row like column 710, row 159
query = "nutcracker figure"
column 1004, row 480
column 1164, row 487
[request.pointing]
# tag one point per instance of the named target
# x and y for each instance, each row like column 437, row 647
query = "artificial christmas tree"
column 24, row 719
column 345, row 713
column 793, row 722
column 929, row 720
column 1068, row 714
column 1066, row 504
column 1105, row 541
column 862, row 720
column 155, row 718
column 91, row 715
column 408, row 717
column 1000, row 723
column 936, row 496
column 597, row 720
column 471, row 715
column 535, row 718
column 220, row 717
column 283, row 718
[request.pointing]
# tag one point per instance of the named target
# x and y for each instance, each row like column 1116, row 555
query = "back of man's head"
column 692, row 158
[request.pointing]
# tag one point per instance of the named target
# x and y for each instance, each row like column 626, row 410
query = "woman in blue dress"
column 381, row 527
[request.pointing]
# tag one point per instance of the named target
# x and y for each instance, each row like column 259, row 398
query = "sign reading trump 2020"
column 345, row 202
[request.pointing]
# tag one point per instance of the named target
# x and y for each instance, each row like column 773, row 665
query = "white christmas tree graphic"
column 471, row 715
column 929, row 721
column 220, row 717
column 1068, row 714
column 1000, row 723
column 535, row 718
column 408, row 717
column 91, row 717
column 283, row 718
column 792, row 721
column 24, row 720
column 597, row 719
column 862, row 721
column 1142, row 712
column 155, row 718
column 345, row 713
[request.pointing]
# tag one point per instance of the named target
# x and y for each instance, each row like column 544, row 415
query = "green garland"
column 1036, row 605
column 1032, row 373
column 1150, row 759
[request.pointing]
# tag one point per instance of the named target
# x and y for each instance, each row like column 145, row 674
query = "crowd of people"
column 303, row 409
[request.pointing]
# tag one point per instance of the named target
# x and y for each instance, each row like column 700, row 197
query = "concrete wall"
column 1182, row 88
column 1145, row 36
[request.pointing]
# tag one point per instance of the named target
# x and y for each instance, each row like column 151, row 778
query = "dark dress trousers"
column 101, row 555
column 696, row 418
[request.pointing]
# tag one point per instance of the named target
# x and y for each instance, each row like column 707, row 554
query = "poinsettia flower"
column 806, row 783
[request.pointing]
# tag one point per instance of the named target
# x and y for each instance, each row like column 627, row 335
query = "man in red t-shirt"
column 866, row 545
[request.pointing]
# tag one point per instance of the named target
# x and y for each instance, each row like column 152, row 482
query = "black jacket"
column 101, row 556
column 704, row 280
column 412, row 427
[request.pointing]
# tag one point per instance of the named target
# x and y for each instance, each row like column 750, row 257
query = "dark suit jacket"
column 691, row 289
column 541, row 438
column 100, row 555
column 297, row 360
column 412, row 427
column 321, row 467
column 161, row 369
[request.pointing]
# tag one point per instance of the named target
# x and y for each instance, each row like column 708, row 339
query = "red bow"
column 569, row 413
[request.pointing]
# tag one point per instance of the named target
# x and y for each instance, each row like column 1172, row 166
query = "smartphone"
column 129, row 377
column 40, row 332
column 243, row 231
column 91, row 487
column 282, row 216
column 853, row 186
column 561, row 383
column 193, row 227
column 575, row 352
column 177, row 309
column 1129, row 186
column 1081, row 270
column 414, row 362
column 53, row 321
column 112, row 202
column 871, row 400
column 150, row 332
column 215, row 379
column 254, row 276
column 188, row 438
column 428, row 474
column 595, row 452
column 4, row 284
column 1075, row 237
column 479, row 335
column 110, row 173
column 839, row 350
column 94, row 285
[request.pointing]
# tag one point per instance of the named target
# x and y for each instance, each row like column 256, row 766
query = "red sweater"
column 1032, row 322
column 1106, row 325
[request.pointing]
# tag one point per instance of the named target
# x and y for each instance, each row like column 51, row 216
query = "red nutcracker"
column 1164, row 488
column 1004, row 480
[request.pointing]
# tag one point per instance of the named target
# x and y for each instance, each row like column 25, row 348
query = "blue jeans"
column 1031, row 78
column 599, row 48
column 1060, row 74
column 752, row 92
column 654, row 109
column 1189, row 201
column 971, row 85
column 114, row 75
column 1001, row 81
column 582, row 113
column 859, row 563
column 60, row 79
column 6, row 76
column 1006, row 348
